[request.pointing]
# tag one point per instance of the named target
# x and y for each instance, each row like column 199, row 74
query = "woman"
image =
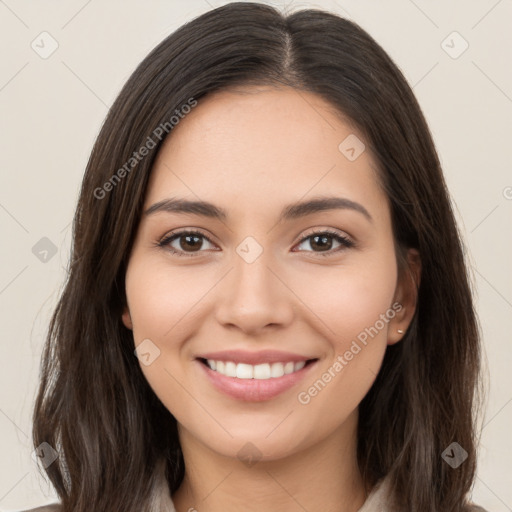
column 267, row 305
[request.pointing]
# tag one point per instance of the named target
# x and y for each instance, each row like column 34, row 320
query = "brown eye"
column 322, row 242
column 188, row 242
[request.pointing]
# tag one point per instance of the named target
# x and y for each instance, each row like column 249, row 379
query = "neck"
column 323, row 476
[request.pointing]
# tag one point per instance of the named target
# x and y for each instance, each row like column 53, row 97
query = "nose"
column 254, row 296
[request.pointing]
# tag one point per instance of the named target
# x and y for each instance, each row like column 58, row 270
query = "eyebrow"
column 289, row 212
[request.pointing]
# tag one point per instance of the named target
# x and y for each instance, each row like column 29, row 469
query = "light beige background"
column 52, row 109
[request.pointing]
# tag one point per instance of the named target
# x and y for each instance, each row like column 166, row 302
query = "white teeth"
column 289, row 367
column 242, row 371
column 276, row 370
column 230, row 369
column 298, row 366
column 260, row 371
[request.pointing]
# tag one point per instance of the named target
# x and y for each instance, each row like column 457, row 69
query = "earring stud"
column 400, row 331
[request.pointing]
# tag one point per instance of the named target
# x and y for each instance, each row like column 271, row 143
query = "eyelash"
column 345, row 242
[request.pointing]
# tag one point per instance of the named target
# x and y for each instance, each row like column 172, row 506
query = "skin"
column 252, row 151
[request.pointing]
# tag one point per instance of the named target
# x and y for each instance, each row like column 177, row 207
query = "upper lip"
column 263, row 356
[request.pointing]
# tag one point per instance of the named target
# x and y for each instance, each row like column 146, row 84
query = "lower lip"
column 255, row 390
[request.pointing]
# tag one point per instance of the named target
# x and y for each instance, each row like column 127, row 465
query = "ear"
column 406, row 296
column 127, row 319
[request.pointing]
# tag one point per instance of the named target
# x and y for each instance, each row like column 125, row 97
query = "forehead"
column 254, row 147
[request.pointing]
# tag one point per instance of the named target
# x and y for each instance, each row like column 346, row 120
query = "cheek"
column 161, row 303
column 348, row 300
column 343, row 301
column 164, row 303
column 160, row 297
column 354, row 306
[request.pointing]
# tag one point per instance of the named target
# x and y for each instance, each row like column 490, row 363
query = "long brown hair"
column 114, row 437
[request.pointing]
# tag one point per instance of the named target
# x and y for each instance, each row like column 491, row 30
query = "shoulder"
column 379, row 499
column 54, row 507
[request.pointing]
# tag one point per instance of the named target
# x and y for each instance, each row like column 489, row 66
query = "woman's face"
column 264, row 279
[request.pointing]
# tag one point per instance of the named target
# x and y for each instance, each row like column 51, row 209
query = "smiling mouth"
column 263, row 371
